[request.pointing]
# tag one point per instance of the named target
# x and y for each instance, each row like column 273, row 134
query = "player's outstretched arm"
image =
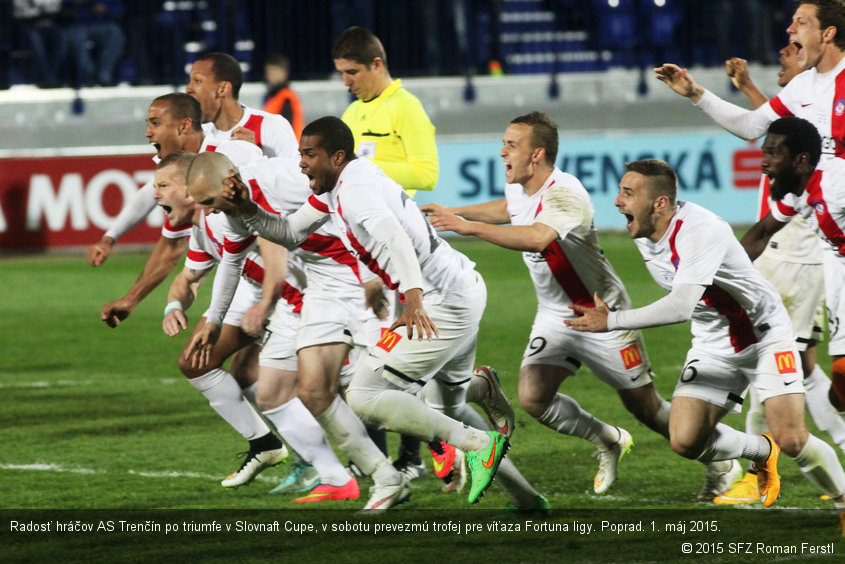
column 162, row 260
column 201, row 344
column 737, row 70
column 495, row 212
column 680, row 81
column 755, row 240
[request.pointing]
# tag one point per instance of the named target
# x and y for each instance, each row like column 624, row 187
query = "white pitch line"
column 44, row 384
column 45, row 467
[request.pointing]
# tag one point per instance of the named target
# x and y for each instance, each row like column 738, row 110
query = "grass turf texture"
column 101, row 419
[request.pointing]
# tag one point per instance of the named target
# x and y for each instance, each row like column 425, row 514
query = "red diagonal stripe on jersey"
column 318, row 204
column 676, row 260
column 199, row 256
column 740, row 328
column 254, row 271
column 837, row 121
column 566, row 275
column 779, row 107
column 365, row 256
column 237, row 247
column 828, row 225
column 258, row 196
column 333, row 248
column 293, row 296
column 254, row 125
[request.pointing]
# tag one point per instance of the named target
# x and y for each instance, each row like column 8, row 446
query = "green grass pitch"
column 100, row 419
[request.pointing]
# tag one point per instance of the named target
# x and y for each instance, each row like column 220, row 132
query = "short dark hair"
column 801, row 136
column 664, row 180
column 182, row 159
column 183, row 106
column 334, row 136
column 278, row 60
column 225, row 68
column 360, row 45
column 543, row 133
column 830, row 13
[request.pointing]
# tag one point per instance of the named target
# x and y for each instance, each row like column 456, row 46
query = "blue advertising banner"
column 715, row 169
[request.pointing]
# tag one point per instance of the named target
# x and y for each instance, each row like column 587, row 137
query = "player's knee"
column 791, row 442
column 360, row 401
column 686, row 448
column 532, row 405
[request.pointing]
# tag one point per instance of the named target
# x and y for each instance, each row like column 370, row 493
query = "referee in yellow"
column 391, row 129
column 389, row 123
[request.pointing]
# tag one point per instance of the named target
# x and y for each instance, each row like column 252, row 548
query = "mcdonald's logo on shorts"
column 389, row 340
column 631, row 356
column 786, row 362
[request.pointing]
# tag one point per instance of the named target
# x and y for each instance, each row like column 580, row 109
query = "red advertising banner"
column 69, row 201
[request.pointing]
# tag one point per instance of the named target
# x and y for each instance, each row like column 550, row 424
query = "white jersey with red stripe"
column 217, row 240
column 822, row 204
column 820, row 99
column 573, row 267
column 739, row 307
column 368, row 209
column 817, row 97
column 273, row 133
column 279, row 186
column 795, row 243
column 239, row 152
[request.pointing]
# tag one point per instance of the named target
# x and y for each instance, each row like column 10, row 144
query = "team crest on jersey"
column 786, row 362
column 819, row 206
column 839, row 107
column 631, row 356
column 389, row 340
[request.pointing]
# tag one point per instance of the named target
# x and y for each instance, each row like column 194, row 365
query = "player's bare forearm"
column 755, row 240
column 495, row 212
column 532, row 238
column 162, row 261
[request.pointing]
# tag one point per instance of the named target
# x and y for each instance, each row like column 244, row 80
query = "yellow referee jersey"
column 394, row 132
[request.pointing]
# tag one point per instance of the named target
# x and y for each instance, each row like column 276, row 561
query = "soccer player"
column 817, row 194
column 551, row 219
column 336, row 325
column 388, row 123
column 239, row 280
column 444, row 299
column 390, row 128
column 741, row 335
column 818, row 32
column 792, row 262
column 215, row 81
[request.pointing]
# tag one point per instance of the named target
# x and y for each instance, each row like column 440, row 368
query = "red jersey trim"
column 740, row 329
column 779, row 107
column 254, row 125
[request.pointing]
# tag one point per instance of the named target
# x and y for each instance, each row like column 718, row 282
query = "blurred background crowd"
column 75, row 43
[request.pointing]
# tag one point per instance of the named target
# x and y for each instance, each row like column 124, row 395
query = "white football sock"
column 565, row 416
column 347, row 431
column 302, row 432
column 825, row 416
column 223, row 393
column 727, row 443
column 818, row 462
column 372, row 398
